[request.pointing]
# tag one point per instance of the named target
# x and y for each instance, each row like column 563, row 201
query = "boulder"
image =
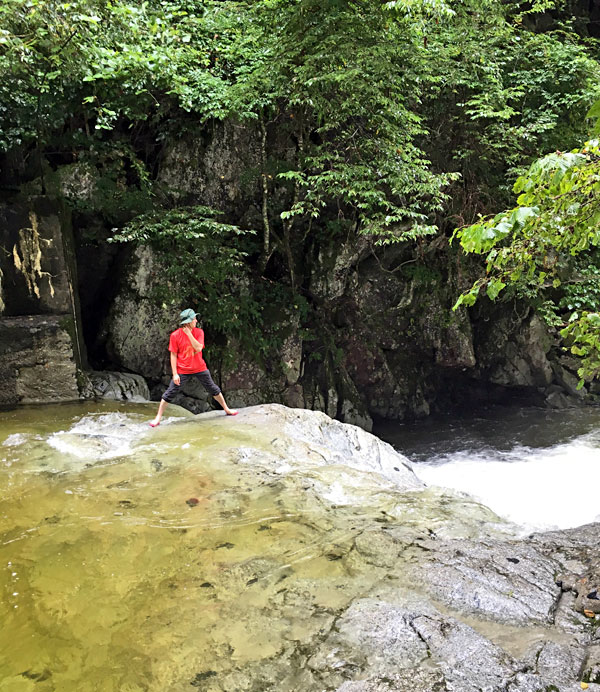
column 119, row 386
column 37, row 360
column 137, row 330
column 317, row 438
column 513, row 350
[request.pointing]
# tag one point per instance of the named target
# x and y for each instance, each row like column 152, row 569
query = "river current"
column 531, row 466
column 132, row 560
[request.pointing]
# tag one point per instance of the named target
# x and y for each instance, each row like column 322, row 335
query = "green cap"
column 186, row 316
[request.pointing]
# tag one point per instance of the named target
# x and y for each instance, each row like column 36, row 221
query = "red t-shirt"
column 187, row 361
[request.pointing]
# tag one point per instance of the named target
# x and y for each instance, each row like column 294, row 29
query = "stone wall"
column 40, row 344
column 37, row 362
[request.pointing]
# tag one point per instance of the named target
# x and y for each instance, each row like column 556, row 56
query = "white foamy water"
column 99, row 437
column 539, row 489
column 15, row 440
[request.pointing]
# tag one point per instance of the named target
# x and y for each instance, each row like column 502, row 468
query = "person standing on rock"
column 185, row 346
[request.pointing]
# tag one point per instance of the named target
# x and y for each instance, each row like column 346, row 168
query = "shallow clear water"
column 122, row 555
column 531, row 466
column 135, row 560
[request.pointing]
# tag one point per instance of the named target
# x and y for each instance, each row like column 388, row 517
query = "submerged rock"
column 313, row 560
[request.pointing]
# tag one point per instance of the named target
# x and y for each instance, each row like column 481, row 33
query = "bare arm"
column 176, row 377
column 196, row 345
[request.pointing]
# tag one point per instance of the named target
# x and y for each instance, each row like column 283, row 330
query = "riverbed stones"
column 371, row 636
column 415, row 680
column 469, row 661
column 407, row 645
column 403, row 589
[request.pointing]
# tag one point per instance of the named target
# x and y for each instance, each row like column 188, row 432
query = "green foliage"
column 545, row 248
column 582, row 334
column 359, row 86
column 86, row 59
column 372, row 116
column 556, row 219
column 200, row 259
column 500, row 93
column 337, row 72
column 203, row 263
column 582, row 291
column 340, row 77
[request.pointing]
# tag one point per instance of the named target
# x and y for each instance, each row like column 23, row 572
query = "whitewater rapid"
column 539, row 489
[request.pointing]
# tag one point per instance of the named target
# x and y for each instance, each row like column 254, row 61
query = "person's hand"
column 177, row 380
column 187, row 328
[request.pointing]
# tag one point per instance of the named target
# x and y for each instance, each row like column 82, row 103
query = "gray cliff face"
column 404, row 352
column 211, row 169
column 41, row 347
column 136, row 330
column 37, row 361
column 37, row 272
column 393, row 348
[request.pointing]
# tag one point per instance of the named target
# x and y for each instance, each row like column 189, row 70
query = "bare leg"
column 161, row 409
column 221, row 399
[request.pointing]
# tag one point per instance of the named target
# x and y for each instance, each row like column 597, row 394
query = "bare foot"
column 154, row 424
column 231, row 412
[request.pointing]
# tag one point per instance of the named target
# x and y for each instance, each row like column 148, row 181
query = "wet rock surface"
column 506, row 582
column 452, row 602
column 281, row 550
column 317, row 439
column 119, row 386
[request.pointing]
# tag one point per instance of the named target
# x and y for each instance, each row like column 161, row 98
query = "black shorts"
column 205, row 380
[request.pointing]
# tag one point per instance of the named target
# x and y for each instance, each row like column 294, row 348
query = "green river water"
column 132, row 559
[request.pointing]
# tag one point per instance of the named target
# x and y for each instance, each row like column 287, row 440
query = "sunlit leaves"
column 548, row 243
column 436, row 8
column 582, row 334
